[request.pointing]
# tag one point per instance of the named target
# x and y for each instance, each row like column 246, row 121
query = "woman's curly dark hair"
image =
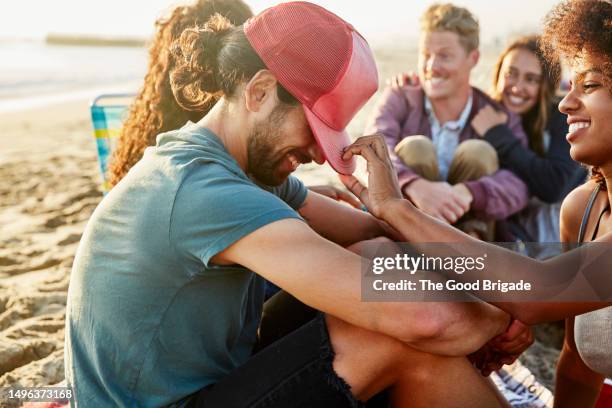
column 576, row 28
column 155, row 109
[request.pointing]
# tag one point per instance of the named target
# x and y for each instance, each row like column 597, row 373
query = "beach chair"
column 108, row 111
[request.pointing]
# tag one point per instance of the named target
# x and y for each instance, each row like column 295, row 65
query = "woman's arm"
column 576, row 384
column 549, row 177
column 556, row 276
column 383, row 199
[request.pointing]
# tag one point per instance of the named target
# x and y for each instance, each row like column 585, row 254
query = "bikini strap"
column 587, row 213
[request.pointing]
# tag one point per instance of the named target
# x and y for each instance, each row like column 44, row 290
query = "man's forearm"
column 467, row 326
column 340, row 223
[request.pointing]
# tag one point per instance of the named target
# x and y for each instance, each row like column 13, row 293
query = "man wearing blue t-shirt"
column 166, row 292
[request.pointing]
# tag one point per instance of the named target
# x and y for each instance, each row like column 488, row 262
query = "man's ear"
column 259, row 90
column 474, row 57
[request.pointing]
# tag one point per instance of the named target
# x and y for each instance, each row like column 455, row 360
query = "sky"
column 380, row 21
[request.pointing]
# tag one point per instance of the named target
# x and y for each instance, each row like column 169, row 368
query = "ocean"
column 34, row 74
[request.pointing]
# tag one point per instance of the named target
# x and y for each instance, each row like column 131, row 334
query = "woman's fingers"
column 515, row 340
column 379, row 171
column 380, row 147
column 383, row 186
column 516, row 345
column 363, row 150
column 377, row 143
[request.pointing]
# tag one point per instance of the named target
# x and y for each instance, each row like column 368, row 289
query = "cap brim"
column 332, row 142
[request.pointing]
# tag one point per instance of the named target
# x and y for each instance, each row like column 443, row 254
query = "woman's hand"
column 403, row 79
column 487, row 118
column 383, row 188
column 517, row 338
column 503, row 349
column 336, row 194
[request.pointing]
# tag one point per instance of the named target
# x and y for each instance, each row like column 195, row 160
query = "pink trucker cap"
column 322, row 61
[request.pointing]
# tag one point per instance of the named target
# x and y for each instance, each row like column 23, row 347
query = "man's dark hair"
column 212, row 61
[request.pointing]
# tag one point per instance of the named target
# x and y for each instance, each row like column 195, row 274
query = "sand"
column 50, row 186
column 48, row 191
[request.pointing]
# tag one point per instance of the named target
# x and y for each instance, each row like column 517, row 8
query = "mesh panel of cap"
column 307, row 48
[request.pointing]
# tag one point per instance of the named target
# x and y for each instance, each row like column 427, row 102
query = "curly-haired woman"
column 154, row 109
column 581, row 33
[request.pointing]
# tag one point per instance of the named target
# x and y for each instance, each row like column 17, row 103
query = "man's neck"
column 450, row 108
column 224, row 123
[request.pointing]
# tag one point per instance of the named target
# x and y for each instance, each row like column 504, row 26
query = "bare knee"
column 371, row 362
column 366, row 360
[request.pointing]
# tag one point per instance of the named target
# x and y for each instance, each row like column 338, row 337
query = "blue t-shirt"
column 149, row 319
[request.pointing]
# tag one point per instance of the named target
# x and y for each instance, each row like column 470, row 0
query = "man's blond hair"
column 458, row 20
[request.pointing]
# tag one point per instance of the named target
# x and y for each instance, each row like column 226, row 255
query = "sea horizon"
column 36, row 72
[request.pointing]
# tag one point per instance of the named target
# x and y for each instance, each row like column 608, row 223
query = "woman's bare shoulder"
column 572, row 210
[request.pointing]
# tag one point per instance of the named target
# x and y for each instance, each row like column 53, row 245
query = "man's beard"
column 262, row 163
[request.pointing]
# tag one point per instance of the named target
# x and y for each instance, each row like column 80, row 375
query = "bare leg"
column 371, row 362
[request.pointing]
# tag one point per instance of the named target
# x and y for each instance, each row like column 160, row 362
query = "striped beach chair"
column 108, row 111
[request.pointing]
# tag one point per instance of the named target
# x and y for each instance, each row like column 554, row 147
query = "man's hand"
column 487, row 118
column 383, row 187
column 439, row 199
column 464, row 194
column 336, row 194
